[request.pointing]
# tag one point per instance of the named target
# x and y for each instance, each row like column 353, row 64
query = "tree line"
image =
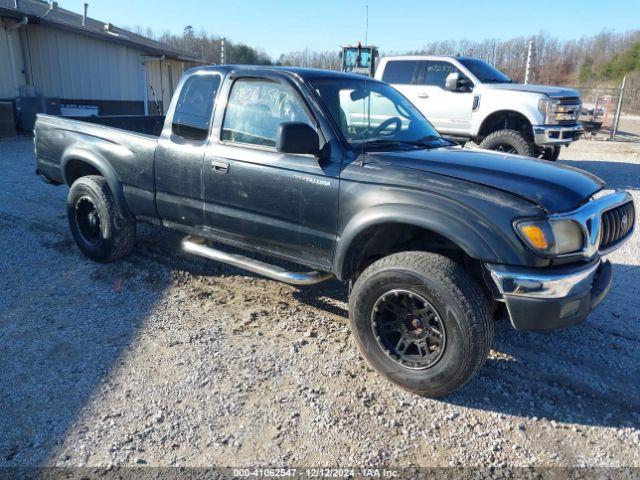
column 599, row 60
column 208, row 47
column 594, row 64
column 554, row 61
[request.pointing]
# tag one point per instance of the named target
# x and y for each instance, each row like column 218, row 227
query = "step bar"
column 198, row 246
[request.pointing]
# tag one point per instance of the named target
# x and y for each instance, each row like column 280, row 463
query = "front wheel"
column 508, row 141
column 548, row 153
column 97, row 226
column 421, row 321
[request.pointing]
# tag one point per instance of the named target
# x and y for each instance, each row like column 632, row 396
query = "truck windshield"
column 375, row 116
column 484, row 72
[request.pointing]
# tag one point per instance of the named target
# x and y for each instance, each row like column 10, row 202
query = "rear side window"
column 196, row 101
column 435, row 73
column 399, row 72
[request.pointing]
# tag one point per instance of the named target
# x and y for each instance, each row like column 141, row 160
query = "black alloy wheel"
column 97, row 225
column 409, row 329
column 506, row 148
column 88, row 220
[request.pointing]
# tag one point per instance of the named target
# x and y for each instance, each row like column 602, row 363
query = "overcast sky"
column 279, row 26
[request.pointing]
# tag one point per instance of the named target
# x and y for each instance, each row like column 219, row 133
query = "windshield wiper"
column 429, row 138
column 427, row 141
column 424, row 142
column 392, row 143
column 496, row 80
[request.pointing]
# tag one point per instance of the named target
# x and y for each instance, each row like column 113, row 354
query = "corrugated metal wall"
column 67, row 65
column 6, row 78
column 8, row 85
column 164, row 80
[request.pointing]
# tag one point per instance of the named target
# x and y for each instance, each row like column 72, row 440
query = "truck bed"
column 145, row 124
column 120, row 148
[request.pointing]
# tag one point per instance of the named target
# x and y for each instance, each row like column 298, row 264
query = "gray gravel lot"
column 164, row 359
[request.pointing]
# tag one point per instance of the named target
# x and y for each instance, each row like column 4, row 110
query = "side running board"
column 197, row 246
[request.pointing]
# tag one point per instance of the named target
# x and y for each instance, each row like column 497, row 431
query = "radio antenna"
column 366, row 27
column 368, row 98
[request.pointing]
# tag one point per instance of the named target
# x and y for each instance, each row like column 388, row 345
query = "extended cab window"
column 435, row 73
column 195, row 104
column 399, row 72
column 255, row 110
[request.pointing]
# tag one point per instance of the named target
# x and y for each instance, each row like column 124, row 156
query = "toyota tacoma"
column 341, row 175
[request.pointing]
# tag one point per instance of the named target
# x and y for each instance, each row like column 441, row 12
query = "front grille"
column 617, row 223
column 568, row 110
column 570, row 101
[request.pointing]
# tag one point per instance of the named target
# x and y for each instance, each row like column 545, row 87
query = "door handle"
column 423, row 95
column 219, row 166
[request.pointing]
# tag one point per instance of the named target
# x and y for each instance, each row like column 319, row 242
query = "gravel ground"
column 163, row 359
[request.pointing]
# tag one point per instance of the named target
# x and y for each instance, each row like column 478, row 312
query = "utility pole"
column 222, row 53
column 527, row 73
column 616, row 120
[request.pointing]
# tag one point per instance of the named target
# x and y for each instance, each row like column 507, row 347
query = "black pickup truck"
column 341, row 175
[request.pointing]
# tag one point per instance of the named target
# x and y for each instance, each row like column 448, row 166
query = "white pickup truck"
column 467, row 99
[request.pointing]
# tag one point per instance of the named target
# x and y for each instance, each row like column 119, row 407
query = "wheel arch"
column 76, row 163
column 435, row 228
column 505, row 119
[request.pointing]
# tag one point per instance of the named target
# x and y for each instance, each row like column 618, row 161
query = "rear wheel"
column 101, row 233
column 508, row 141
column 422, row 321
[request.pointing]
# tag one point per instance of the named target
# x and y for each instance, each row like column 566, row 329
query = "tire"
column 549, row 153
column 96, row 224
column 508, row 141
column 450, row 290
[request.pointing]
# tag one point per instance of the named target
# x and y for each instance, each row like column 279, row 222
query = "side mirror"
column 298, row 138
column 451, row 82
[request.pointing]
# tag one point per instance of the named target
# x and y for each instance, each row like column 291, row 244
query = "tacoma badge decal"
column 315, row 181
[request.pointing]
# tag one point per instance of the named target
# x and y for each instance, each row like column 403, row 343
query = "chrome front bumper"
column 547, row 299
column 554, row 135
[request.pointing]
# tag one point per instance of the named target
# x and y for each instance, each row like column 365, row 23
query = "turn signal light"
column 552, row 237
column 535, row 235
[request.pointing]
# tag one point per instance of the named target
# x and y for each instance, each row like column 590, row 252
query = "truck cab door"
column 450, row 112
column 180, row 152
column 283, row 204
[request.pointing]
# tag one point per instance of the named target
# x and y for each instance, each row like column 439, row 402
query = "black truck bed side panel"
column 123, row 157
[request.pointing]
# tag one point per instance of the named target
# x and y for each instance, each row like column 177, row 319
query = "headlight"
column 551, row 237
column 548, row 108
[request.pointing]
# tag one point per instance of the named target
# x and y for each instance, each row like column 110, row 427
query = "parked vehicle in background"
column 359, row 59
column 467, row 99
column 341, row 174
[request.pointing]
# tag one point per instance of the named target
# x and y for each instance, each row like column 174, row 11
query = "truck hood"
column 554, row 187
column 553, row 92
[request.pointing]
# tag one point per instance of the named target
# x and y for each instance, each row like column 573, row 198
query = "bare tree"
column 328, row 60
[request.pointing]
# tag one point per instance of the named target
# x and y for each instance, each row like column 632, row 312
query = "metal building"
column 59, row 61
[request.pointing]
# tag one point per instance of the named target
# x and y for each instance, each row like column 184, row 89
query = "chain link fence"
column 612, row 111
column 599, row 104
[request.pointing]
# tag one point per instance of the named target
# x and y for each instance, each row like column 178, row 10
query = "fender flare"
column 100, row 164
column 529, row 116
column 472, row 234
